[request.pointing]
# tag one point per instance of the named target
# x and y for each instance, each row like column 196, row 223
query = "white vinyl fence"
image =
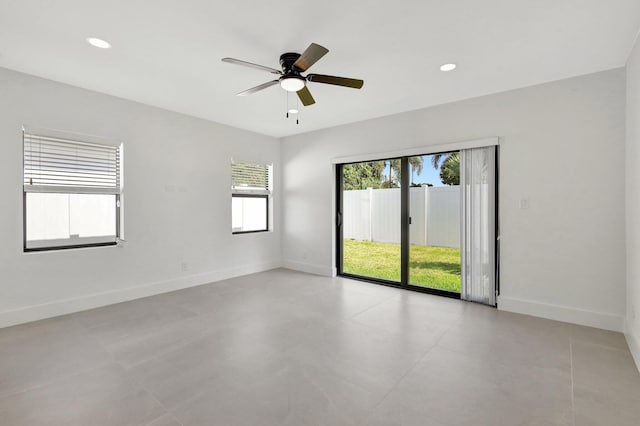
column 374, row 215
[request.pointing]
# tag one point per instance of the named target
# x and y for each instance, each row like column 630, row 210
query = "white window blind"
column 66, row 166
column 251, row 178
column 477, row 195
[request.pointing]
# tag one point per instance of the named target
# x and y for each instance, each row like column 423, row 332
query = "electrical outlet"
column 184, row 266
column 524, row 203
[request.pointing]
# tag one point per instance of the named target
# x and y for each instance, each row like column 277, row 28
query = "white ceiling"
column 167, row 53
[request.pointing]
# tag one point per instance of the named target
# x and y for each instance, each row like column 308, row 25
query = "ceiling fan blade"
column 336, row 81
column 258, row 88
column 310, row 56
column 251, row 65
column 305, row 96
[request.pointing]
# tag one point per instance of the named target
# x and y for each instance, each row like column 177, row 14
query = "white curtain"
column 477, row 190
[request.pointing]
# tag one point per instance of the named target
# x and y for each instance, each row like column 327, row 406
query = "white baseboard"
column 634, row 345
column 562, row 313
column 82, row 303
column 309, row 268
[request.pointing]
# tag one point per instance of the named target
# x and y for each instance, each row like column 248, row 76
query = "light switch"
column 524, row 203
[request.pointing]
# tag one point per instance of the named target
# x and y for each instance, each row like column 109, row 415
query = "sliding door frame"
column 496, row 228
column 340, row 234
column 405, row 225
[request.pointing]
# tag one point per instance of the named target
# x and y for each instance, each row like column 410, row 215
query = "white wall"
column 633, row 202
column 177, row 202
column 562, row 147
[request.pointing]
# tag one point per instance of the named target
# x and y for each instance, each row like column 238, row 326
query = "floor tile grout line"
column 495, row 361
column 172, row 349
column 155, row 398
column 603, row 346
column 165, row 351
column 353, row 320
column 137, row 382
column 84, row 335
column 378, row 304
column 59, row 378
column 106, row 323
column 366, row 309
column 415, row 364
column 370, row 292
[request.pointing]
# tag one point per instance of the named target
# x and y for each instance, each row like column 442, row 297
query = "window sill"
column 69, row 247
column 250, row 232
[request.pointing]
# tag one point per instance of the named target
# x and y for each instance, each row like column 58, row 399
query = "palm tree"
column 449, row 167
column 416, row 164
column 435, row 159
column 394, row 168
column 450, row 170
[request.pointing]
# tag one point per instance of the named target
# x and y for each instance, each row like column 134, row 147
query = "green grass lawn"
column 434, row 267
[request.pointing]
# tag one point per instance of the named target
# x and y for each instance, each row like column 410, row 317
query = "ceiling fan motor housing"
column 287, row 60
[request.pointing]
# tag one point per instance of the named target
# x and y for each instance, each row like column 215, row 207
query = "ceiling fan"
column 291, row 78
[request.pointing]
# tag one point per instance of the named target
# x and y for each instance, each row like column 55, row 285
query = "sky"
column 428, row 174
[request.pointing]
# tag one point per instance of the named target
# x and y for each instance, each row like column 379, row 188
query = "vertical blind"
column 251, row 177
column 478, row 192
column 68, row 166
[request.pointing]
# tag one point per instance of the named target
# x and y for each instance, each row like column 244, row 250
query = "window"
column 250, row 197
column 72, row 193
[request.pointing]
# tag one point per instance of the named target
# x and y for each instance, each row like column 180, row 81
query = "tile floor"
column 286, row 348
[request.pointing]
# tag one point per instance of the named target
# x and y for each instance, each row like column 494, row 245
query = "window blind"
column 250, row 177
column 68, row 166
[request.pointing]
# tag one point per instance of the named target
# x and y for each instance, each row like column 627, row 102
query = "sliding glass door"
column 400, row 223
column 434, row 209
column 371, row 219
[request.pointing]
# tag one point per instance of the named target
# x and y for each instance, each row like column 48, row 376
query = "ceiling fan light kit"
column 291, row 78
column 292, row 83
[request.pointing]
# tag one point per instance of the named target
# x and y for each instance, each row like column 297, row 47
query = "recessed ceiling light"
column 293, row 111
column 448, row 67
column 98, row 42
